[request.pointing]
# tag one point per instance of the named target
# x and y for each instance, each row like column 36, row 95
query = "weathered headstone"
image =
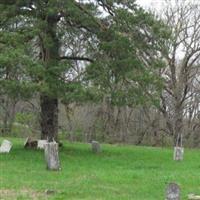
column 26, row 141
column 30, row 143
column 173, row 192
column 5, row 146
column 41, row 144
column 96, row 148
column 178, row 153
column 193, row 197
column 51, row 156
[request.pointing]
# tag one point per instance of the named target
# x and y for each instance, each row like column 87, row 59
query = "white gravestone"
column 193, row 197
column 41, row 144
column 178, row 153
column 5, row 146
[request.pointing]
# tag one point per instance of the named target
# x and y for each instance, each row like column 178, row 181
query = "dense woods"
column 104, row 70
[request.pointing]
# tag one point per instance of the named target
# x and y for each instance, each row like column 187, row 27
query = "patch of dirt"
column 25, row 194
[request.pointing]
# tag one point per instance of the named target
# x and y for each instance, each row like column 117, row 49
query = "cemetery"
column 100, row 99
column 117, row 172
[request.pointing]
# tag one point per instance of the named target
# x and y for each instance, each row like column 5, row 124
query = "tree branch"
column 77, row 58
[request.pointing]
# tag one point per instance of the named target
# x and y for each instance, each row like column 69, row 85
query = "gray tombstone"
column 178, row 153
column 173, row 192
column 5, row 146
column 51, row 156
column 96, row 148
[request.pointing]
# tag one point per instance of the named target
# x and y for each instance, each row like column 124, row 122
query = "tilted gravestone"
column 178, row 153
column 193, row 197
column 96, row 148
column 30, row 143
column 5, row 146
column 51, row 156
column 173, row 192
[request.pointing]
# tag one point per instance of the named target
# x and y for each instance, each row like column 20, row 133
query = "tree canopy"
column 78, row 51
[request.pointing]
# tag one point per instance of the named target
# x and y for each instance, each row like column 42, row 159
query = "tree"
column 49, row 31
column 182, row 55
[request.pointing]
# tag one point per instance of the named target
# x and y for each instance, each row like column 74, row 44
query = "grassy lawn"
column 119, row 172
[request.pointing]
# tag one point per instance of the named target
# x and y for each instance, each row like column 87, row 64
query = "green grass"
column 119, row 172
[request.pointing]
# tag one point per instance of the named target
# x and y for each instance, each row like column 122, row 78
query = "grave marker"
column 41, row 144
column 96, row 148
column 5, row 146
column 51, row 156
column 173, row 192
column 178, row 153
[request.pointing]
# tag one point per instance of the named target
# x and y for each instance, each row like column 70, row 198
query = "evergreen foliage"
column 78, row 51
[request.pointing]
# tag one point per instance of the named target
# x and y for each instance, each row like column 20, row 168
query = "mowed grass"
column 119, row 172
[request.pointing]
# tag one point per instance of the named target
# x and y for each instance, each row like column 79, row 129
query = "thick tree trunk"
column 178, row 128
column 49, row 118
column 49, row 100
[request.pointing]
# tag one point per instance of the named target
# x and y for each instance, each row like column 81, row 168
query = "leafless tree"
column 182, row 55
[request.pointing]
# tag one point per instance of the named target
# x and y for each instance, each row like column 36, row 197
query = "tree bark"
column 49, row 118
column 49, row 100
column 178, row 123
